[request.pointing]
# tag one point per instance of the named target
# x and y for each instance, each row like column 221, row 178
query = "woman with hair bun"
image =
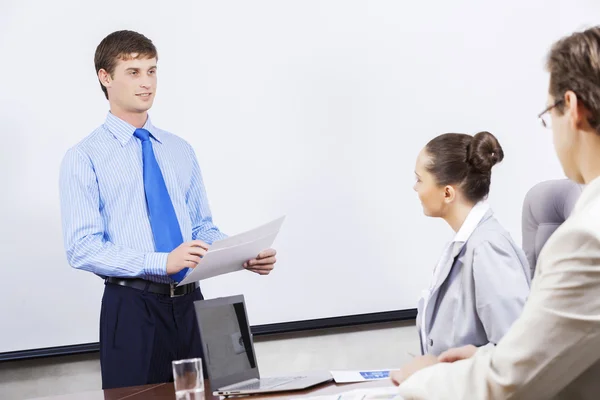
column 481, row 282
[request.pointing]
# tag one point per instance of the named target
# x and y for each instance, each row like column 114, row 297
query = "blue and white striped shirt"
column 104, row 215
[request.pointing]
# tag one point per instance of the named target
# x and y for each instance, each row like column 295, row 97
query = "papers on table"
column 388, row 393
column 230, row 254
column 360, row 376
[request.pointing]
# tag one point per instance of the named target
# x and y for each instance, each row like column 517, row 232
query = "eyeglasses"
column 544, row 116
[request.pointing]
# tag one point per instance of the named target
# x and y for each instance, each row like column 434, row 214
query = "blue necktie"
column 163, row 220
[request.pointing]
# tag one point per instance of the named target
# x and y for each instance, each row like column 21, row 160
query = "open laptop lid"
column 226, row 341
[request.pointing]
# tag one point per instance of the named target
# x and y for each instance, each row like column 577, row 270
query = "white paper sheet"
column 230, row 254
column 387, row 393
column 249, row 236
column 360, row 376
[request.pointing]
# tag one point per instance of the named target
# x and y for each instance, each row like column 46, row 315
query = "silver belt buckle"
column 172, row 290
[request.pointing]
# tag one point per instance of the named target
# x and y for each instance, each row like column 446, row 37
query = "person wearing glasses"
column 482, row 279
column 552, row 351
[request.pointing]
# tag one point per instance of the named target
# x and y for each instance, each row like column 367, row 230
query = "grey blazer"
column 480, row 292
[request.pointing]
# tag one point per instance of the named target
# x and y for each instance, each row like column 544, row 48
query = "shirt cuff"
column 155, row 264
column 211, row 236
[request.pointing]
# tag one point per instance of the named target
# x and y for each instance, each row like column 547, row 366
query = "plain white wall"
column 314, row 109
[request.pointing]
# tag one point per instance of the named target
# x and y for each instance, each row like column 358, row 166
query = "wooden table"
column 167, row 391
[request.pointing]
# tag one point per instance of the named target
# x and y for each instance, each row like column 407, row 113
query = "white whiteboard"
column 314, row 109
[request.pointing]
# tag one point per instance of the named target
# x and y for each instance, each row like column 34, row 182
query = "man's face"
column 566, row 139
column 132, row 86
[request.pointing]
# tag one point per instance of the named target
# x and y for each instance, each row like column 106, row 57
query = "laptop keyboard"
column 267, row 383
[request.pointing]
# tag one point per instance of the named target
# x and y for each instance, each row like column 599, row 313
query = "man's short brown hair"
column 119, row 46
column 574, row 64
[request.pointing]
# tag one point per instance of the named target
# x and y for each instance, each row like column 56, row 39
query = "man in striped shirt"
column 146, row 321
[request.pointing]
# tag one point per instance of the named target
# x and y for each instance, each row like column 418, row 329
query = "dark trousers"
column 141, row 333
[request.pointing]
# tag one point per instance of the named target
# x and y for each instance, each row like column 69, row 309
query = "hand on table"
column 457, row 354
column 416, row 364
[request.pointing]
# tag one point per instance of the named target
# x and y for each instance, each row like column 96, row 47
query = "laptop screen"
column 226, row 340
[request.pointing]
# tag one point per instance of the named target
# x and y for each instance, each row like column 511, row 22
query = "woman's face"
column 433, row 197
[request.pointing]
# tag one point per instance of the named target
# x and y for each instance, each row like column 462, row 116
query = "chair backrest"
column 546, row 206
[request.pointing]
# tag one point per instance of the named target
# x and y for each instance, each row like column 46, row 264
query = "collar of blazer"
column 480, row 213
column 590, row 194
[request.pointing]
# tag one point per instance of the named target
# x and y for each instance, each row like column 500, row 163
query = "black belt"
column 158, row 288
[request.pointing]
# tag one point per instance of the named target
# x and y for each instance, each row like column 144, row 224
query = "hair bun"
column 484, row 152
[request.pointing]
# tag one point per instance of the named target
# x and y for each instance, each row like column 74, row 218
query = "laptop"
column 229, row 356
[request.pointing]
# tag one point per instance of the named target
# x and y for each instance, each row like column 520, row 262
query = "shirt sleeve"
column 84, row 230
column 501, row 287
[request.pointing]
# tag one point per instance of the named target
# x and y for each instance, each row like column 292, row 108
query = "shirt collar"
column 590, row 193
column 123, row 131
column 473, row 219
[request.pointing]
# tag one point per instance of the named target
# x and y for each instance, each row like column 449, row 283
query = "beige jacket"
column 552, row 351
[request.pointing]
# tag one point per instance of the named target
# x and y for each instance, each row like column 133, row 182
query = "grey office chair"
column 546, row 206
